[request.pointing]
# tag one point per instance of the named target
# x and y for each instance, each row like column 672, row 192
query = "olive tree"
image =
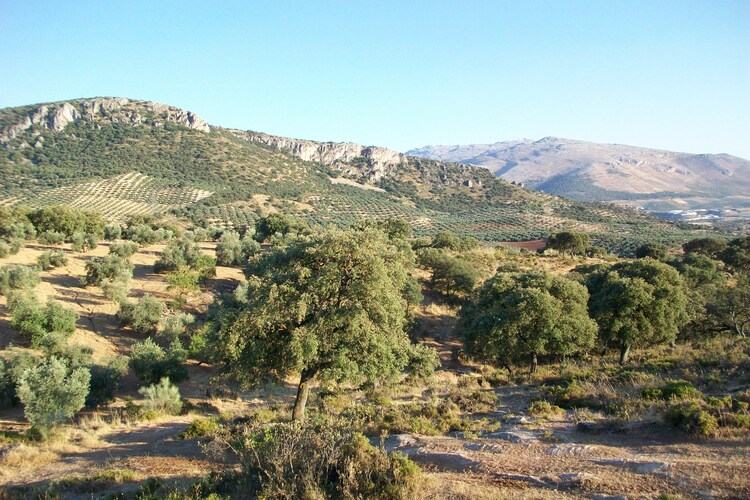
column 522, row 315
column 51, row 393
column 17, row 277
column 636, row 303
column 143, row 316
column 330, row 308
column 229, row 249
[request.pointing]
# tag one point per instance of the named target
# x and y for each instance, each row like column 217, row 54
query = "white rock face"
column 59, row 115
column 50, row 116
column 380, row 161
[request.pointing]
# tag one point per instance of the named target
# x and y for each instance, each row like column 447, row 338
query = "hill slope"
column 610, row 172
column 127, row 156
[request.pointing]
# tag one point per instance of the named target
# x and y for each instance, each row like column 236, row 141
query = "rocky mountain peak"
column 57, row 116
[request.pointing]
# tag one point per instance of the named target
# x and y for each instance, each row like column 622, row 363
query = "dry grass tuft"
column 23, row 457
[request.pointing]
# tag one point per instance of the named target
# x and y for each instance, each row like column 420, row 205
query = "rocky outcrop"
column 48, row 116
column 57, row 116
column 353, row 159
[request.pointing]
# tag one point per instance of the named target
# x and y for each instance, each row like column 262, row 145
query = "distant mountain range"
column 587, row 171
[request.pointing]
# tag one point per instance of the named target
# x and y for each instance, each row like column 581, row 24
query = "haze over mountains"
column 651, row 178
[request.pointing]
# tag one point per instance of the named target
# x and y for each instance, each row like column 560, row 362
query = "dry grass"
column 21, row 457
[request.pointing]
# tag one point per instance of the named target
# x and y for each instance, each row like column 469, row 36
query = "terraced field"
column 117, row 197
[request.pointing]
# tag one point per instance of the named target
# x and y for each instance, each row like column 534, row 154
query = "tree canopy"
column 568, row 242
column 331, row 307
column 522, row 315
column 636, row 303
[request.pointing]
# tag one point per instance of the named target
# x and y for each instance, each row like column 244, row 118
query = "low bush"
column 471, row 399
column 105, row 380
column 692, row 417
column 123, row 249
column 17, row 277
column 52, row 259
column 422, row 362
column 162, row 398
column 51, row 238
column 150, row 362
column 201, row 427
column 319, row 461
column 143, row 316
column 44, row 327
column 51, row 393
column 544, row 409
column 110, row 267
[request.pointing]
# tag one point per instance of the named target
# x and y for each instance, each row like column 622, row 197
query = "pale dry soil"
column 525, row 458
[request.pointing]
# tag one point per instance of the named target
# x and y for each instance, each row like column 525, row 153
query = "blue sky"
column 667, row 74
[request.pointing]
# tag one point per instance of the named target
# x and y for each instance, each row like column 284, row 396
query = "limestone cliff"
column 57, row 116
column 353, row 159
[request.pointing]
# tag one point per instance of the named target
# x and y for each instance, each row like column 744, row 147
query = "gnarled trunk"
column 624, row 354
column 303, row 390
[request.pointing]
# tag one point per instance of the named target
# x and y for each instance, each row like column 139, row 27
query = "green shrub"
column 201, row 427
column 680, row 389
column 112, row 232
column 105, row 380
column 124, row 249
column 77, row 241
column 229, row 249
column 17, row 277
column 422, row 362
column 178, row 253
column 51, row 393
column 111, row 267
column 52, row 259
column 692, row 417
column 143, row 316
column 117, row 288
column 47, row 326
column 163, row 397
column 10, row 247
column 544, row 409
column 51, row 238
column 151, row 363
column 144, row 234
column 175, row 325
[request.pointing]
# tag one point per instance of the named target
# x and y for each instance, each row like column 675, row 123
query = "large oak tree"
column 332, row 308
column 636, row 303
column 522, row 315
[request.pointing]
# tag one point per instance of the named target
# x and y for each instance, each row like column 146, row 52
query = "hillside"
column 126, row 156
column 586, row 171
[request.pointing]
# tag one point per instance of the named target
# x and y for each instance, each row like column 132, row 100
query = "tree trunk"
column 624, row 354
column 534, row 363
column 303, row 390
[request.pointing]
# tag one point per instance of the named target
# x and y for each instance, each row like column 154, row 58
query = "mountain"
column 124, row 156
column 652, row 178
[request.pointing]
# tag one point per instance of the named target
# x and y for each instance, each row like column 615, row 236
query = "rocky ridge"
column 57, row 116
column 374, row 162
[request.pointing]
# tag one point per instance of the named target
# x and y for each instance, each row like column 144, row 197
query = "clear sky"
column 403, row 74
